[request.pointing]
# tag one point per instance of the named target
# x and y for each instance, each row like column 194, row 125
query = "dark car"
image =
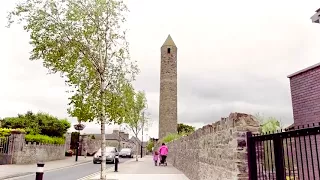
column 110, row 155
column 126, row 152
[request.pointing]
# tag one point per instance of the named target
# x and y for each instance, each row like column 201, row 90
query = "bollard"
column 40, row 169
column 77, row 151
column 116, row 162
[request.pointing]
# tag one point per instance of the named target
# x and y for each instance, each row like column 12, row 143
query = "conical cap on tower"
column 169, row 42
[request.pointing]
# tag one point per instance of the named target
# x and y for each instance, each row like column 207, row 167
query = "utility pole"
column 142, row 132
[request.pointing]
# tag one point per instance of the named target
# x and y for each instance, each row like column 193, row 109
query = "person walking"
column 163, row 151
column 155, row 157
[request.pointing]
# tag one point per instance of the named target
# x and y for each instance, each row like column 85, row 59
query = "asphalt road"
column 71, row 173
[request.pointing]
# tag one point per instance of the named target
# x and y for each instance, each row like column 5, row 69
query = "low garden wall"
column 15, row 150
column 33, row 152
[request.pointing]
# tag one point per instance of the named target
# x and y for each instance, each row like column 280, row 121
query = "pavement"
column 144, row 169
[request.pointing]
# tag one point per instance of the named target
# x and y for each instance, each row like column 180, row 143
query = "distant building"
column 305, row 94
column 115, row 135
column 117, row 139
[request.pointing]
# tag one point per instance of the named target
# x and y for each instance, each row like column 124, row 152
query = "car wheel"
column 94, row 162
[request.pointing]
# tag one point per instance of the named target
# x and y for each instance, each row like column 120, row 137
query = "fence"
column 6, row 150
column 290, row 155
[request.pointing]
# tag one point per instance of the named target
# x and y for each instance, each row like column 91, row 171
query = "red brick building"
column 305, row 94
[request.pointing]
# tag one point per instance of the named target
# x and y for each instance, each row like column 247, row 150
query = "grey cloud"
column 206, row 98
column 248, row 87
column 212, row 98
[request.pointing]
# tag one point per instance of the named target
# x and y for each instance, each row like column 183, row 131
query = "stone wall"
column 32, row 153
column 216, row 151
column 17, row 151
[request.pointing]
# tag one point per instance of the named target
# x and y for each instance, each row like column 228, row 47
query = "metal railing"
column 290, row 155
column 4, row 145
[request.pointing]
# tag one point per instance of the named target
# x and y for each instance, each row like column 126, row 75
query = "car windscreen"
column 108, row 150
column 125, row 150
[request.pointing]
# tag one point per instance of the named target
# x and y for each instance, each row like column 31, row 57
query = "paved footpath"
column 144, row 169
column 14, row 170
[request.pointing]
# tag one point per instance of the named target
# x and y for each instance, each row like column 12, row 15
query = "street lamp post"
column 316, row 17
column 79, row 127
column 142, row 133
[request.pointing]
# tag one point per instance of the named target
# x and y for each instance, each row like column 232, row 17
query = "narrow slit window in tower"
column 168, row 50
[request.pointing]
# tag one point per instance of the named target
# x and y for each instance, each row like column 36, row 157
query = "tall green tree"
column 80, row 105
column 135, row 104
column 184, row 128
column 268, row 124
column 81, row 38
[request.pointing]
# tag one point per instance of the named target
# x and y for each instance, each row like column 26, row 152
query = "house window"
column 168, row 50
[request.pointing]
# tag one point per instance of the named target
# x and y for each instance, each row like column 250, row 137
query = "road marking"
column 98, row 173
column 95, row 174
column 51, row 170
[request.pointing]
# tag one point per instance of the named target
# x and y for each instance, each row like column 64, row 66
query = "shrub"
column 7, row 131
column 44, row 139
column 150, row 145
column 39, row 123
column 171, row 137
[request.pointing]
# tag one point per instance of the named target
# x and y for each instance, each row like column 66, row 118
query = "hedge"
column 6, row 131
column 44, row 139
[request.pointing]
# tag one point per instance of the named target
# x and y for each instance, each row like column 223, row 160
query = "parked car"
column 110, row 155
column 126, row 152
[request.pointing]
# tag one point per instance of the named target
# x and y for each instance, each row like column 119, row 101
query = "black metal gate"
column 290, row 155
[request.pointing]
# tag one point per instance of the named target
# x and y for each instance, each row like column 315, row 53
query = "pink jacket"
column 163, row 150
column 155, row 157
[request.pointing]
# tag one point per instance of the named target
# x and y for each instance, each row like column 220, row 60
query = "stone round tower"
column 168, row 89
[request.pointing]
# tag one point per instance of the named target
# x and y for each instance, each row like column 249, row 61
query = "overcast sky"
column 233, row 56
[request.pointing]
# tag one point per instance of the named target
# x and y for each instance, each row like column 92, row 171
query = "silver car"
column 110, row 155
column 126, row 152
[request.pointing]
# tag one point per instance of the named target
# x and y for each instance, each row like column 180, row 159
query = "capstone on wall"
column 217, row 151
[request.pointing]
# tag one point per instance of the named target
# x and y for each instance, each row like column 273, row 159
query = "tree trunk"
column 103, row 133
column 137, row 147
